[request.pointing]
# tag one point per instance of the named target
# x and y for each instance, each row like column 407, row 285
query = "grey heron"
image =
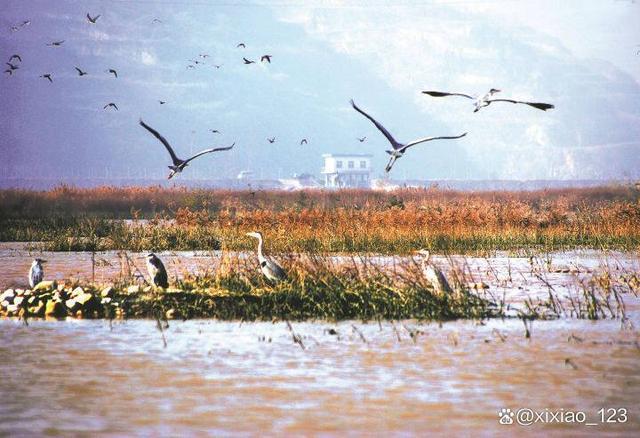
column 178, row 163
column 80, row 72
column 157, row 271
column 433, row 274
column 91, row 19
column 399, row 148
column 36, row 273
column 266, row 58
column 486, row 100
column 269, row 268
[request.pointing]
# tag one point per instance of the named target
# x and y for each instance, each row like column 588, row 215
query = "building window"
column 363, row 164
column 339, row 164
column 351, row 163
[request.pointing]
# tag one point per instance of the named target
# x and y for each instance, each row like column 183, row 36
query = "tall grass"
column 342, row 221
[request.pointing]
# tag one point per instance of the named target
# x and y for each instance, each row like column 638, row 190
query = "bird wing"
column 114, row 72
column 79, row 71
column 443, row 94
column 206, row 151
column 176, row 161
column 422, row 140
column 539, row 105
column 89, row 17
column 382, row 129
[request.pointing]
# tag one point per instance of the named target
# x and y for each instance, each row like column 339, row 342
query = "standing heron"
column 178, row 163
column 36, row 273
column 269, row 268
column 398, row 148
column 485, row 100
column 433, row 274
column 157, row 272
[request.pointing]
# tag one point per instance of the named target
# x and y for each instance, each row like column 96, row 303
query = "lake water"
column 83, row 377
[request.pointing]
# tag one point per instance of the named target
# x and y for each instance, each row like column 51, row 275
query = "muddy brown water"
column 81, row 377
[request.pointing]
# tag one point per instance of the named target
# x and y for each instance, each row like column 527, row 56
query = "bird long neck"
column 260, row 255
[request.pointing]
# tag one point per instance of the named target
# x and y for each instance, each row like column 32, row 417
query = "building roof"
column 347, row 155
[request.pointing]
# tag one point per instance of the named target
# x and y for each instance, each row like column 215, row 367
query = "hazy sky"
column 580, row 55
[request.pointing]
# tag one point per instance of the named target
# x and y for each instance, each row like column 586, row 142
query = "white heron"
column 485, row 100
column 434, row 275
column 269, row 268
column 398, row 148
column 36, row 273
column 178, row 163
column 157, row 272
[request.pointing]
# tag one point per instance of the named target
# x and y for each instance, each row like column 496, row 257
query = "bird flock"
column 397, row 150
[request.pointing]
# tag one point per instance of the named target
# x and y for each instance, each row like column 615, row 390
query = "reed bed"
column 349, row 221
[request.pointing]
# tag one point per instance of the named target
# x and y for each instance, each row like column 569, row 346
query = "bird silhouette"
column 271, row 140
column 162, row 102
column 115, row 73
column 55, row 43
column 266, row 58
column 241, row 45
column 214, row 131
column 362, row 139
column 9, row 71
column 246, row 61
column 303, row 141
column 47, row 76
column 156, row 20
column 80, row 72
column 15, row 57
column 178, row 163
column 91, row 19
column 111, row 105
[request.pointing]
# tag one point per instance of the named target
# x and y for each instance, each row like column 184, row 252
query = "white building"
column 347, row 170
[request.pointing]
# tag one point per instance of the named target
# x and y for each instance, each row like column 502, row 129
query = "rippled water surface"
column 80, row 377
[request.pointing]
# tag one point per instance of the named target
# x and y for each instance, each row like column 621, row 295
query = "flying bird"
column 241, row 45
column 303, row 141
column 272, row 270
column 9, row 71
column 115, row 73
column 25, row 23
column 55, row 43
column 157, row 271
column 266, row 58
column 246, row 61
column 191, row 66
column 91, row 19
column 162, row 102
column 47, row 76
column 486, row 100
column 178, row 163
column 15, row 57
column 11, row 66
column 214, row 131
column 362, row 139
column 36, row 273
column 111, row 105
column 218, row 66
column 271, row 140
column 80, row 72
column 156, row 20
column 398, row 148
